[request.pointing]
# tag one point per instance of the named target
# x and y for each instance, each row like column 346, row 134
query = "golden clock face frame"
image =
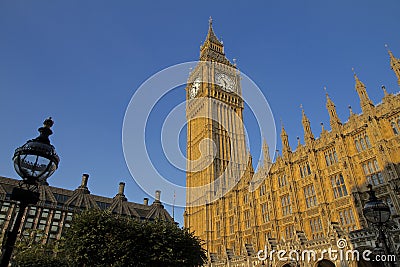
column 195, row 88
column 225, row 81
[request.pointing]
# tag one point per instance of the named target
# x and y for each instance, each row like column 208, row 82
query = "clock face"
column 195, row 88
column 225, row 81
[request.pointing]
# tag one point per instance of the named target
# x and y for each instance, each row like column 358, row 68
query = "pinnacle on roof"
column 359, row 84
column 329, row 101
column 283, row 131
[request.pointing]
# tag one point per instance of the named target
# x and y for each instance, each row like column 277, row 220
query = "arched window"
column 362, row 141
column 357, row 145
column 367, row 141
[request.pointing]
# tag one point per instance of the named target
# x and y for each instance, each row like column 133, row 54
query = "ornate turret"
column 333, row 117
column 308, row 135
column 365, row 102
column 285, row 143
column 394, row 64
column 212, row 48
column 266, row 157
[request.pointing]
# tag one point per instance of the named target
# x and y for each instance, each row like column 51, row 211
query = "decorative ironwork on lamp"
column 34, row 162
column 37, row 159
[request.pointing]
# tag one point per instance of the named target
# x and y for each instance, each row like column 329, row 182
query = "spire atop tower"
column 333, row 117
column 390, row 53
column 212, row 48
column 308, row 135
column 365, row 101
column 211, row 35
column 266, row 157
column 394, row 64
column 285, row 142
column 328, row 99
column 283, row 131
column 358, row 82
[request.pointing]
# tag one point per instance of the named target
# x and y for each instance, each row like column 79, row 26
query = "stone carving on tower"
column 310, row 197
column 216, row 148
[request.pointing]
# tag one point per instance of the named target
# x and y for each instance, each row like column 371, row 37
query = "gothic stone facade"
column 308, row 198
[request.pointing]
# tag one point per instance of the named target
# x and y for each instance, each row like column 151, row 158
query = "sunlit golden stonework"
column 308, row 198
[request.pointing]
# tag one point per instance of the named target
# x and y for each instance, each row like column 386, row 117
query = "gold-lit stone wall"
column 321, row 183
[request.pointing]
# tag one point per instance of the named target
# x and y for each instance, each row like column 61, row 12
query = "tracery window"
column 338, row 186
column 372, row 172
column 362, row 142
column 286, row 205
column 310, row 196
column 330, row 156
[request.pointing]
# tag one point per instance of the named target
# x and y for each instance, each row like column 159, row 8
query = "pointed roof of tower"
column 330, row 106
column 395, row 64
column 328, row 99
column 213, row 49
column 365, row 101
column 304, row 117
column 392, row 58
column 266, row 155
column 283, row 131
column 329, row 102
column 211, row 35
column 265, row 147
column 306, row 125
column 285, row 141
column 359, row 84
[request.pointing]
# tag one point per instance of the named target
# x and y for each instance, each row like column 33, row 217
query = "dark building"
column 57, row 206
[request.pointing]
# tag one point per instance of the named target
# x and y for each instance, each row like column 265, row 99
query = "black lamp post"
column 34, row 162
column 377, row 212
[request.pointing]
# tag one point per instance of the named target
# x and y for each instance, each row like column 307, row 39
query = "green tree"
column 99, row 238
column 32, row 251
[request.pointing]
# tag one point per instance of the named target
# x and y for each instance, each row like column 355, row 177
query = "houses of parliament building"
column 308, row 198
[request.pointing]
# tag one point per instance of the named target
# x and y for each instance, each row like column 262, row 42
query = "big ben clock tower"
column 216, row 148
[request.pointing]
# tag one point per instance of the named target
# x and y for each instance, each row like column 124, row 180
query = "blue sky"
column 81, row 61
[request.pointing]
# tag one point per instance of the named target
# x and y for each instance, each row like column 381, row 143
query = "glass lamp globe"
column 37, row 159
